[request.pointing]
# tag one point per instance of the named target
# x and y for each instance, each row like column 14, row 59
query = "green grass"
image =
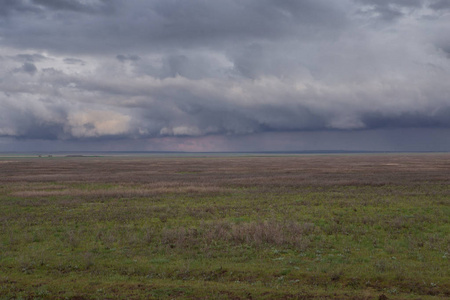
column 100, row 240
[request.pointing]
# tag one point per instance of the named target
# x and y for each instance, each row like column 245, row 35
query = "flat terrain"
column 248, row 227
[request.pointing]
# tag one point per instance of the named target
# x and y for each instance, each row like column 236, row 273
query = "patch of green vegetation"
column 329, row 241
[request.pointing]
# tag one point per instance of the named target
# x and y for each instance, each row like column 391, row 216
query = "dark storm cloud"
column 71, row 5
column 440, row 119
column 29, row 68
column 30, row 57
column 26, row 119
column 173, row 23
column 440, row 5
column 74, row 70
column 124, row 58
column 13, row 6
column 74, row 61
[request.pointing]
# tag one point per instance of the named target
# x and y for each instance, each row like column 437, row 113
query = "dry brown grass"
column 200, row 174
column 122, row 192
column 274, row 233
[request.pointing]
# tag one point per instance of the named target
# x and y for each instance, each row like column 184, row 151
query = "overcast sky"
column 227, row 75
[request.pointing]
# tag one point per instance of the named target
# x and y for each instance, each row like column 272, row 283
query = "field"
column 237, row 227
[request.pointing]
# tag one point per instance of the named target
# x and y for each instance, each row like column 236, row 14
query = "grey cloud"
column 37, row 8
column 188, row 63
column 446, row 49
column 14, row 6
column 440, row 5
column 164, row 69
column 439, row 119
column 181, row 107
column 390, row 10
column 176, row 65
column 250, row 61
column 35, row 129
column 244, row 18
column 192, row 67
column 73, row 5
column 28, row 119
column 398, row 3
column 29, row 68
column 36, row 57
column 388, row 13
column 60, row 4
column 123, row 58
column 74, row 61
column 159, row 25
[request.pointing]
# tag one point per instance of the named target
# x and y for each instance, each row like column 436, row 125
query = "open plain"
column 226, row 227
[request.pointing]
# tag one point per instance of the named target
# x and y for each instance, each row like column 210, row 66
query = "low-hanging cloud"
column 144, row 69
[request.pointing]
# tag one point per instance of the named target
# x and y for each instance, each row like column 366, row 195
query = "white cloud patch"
column 97, row 123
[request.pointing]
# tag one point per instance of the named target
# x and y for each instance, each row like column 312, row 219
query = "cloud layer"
column 109, row 70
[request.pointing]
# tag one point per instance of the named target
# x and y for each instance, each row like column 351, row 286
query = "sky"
column 227, row 75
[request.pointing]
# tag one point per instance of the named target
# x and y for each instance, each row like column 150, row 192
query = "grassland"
column 275, row 227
